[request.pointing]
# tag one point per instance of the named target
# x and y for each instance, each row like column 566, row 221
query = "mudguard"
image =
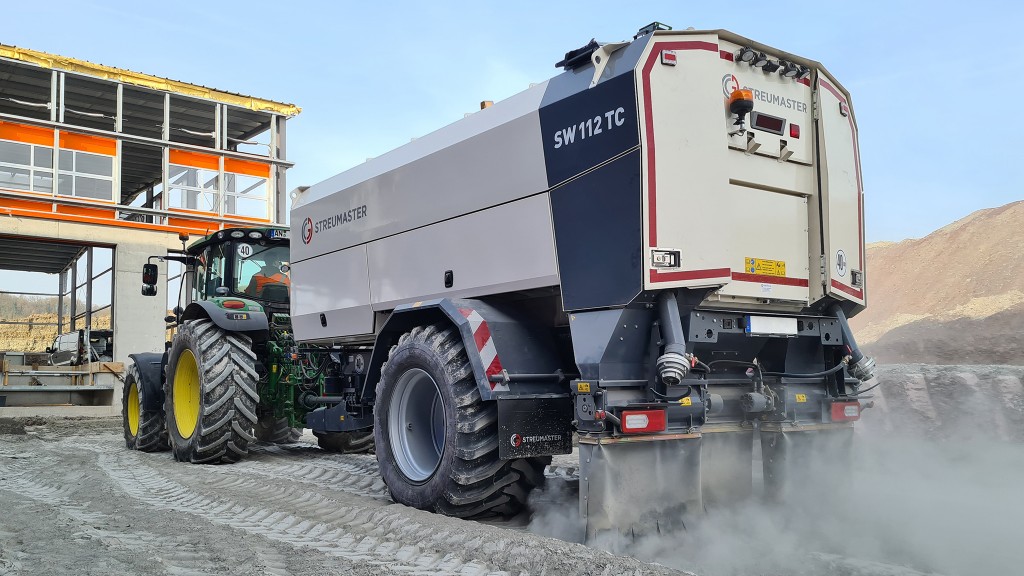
column 230, row 320
column 497, row 341
column 151, row 379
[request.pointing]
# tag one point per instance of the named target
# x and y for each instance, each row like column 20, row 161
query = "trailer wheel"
column 437, row 440
column 276, row 430
column 144, row 430
column 210, row 393
column 346, row 442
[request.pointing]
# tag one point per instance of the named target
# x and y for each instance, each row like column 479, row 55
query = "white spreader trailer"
column 657, row 250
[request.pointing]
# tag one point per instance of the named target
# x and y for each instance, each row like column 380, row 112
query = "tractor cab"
column 244, row 263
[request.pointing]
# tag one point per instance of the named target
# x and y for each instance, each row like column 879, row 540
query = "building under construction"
column 101, row 160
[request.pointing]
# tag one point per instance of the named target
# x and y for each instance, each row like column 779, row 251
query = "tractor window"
column 262, row 271
column 209, row 272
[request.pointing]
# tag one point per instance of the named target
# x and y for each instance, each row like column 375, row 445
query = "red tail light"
column 845, row 411
column 233, row 304
column 640, row 421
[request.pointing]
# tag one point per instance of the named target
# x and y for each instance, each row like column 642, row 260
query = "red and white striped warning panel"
column 484, row 346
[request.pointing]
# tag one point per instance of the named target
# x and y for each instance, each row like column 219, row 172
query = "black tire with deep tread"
column 470, row 481
column 152, row 436
column 346, row 442
column 276, row 430
column 227, row 375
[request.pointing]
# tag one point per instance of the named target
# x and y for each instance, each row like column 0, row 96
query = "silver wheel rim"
column 416, row 425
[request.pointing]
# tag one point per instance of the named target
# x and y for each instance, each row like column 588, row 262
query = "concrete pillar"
column 138, row 320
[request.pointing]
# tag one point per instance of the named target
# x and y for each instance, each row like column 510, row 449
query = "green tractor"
column 232, row 374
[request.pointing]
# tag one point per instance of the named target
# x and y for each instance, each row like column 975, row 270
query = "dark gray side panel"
column 598, row 234
column 588, row 128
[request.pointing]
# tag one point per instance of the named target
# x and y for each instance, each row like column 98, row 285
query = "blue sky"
column 936, row 85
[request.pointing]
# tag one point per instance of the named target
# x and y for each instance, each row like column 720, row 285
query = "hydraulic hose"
column 674, row 363
column 861, row 367
column 822, row 374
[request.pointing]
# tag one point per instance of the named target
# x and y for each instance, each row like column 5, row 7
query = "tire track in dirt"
column 178, row 557
column 387, row 537
column 317, row 522
column 176, row 554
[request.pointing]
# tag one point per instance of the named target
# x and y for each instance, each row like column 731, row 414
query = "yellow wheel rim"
column 186, row 394
column 133, row 409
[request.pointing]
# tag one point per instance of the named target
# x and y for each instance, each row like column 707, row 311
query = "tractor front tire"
column 144, row 430
column 276, row 430
column 210, row 393
column 437, row 440
column 358, row 442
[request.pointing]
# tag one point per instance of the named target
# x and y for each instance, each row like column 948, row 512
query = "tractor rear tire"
column 144, row 430
column 437, row 440
column 276, row 430
column 358, row 442
column 210, row 393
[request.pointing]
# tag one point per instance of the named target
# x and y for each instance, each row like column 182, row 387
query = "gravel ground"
column 74, row 500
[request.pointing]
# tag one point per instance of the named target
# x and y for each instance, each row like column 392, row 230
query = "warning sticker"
column 765, row 267
column 801, row 398
column 686, row 401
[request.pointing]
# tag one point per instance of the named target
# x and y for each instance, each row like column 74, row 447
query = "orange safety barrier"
column 102, row 213
column 26, row 134
column 195, row 159
column 247, row 167
column 85, row 143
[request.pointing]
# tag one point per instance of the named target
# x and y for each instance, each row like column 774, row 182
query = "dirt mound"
column 952, row 296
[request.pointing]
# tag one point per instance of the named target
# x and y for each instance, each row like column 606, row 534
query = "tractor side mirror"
column 150, row 275
column 170, row 319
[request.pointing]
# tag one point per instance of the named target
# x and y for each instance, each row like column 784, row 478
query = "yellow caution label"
column 686, row 401
column 583, row 387
column 801, row 397
column 765, row 267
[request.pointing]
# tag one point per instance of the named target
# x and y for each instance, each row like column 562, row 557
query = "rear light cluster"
column 845, row 411
column 640, row 421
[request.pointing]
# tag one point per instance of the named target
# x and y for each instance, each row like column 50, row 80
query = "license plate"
column 771, row 326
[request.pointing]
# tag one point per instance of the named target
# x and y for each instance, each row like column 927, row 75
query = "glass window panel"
column 94, row 164
column 17, row 178
column 208, row 179
column 176, row 198
column 93, row 188
column 184, row 176
column 64, row 184
column 251, row 186
column 15, row 153
column 44, row 157
column 67, row 158
column 243, row 206
column 206, row 201
column 42, row 181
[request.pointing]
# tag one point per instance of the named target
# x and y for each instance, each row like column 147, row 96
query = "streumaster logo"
column 311, row 227
column 730, row 84
column 307, row 230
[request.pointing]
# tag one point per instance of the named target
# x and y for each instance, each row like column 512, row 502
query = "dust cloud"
column 913, row 500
